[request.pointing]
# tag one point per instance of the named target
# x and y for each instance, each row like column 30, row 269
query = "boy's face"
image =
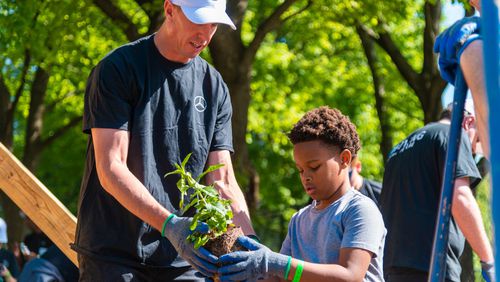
column 323, row 170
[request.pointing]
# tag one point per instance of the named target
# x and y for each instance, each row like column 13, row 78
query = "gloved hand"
column 488, row 271
column 259, row 262
column 452, row 42
column 176, row 231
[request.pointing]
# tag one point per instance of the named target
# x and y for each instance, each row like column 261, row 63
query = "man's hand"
column 452, row 42
column 488, row 271
column 258, row 262
column 177, row 230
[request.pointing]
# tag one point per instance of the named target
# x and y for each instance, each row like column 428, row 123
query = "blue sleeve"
column 286, row 246
column 364, row 226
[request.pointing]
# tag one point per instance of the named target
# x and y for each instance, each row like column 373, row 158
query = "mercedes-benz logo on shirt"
column 200, row 104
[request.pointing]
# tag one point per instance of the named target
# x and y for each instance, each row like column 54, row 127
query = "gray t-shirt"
column 353, row 221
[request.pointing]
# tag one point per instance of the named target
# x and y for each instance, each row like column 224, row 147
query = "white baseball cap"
column 3, row 231
column 468, row 107
column 205, row 11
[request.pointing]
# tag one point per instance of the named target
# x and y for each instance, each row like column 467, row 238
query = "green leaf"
column 184, row 162
column 193, row 225
column 209, row 169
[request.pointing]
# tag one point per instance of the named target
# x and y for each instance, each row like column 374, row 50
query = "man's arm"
column 111, row 147
column 225, row 182
column 472, row 64
column 466, row 213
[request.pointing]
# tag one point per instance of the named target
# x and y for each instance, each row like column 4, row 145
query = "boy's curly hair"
column 328, row 125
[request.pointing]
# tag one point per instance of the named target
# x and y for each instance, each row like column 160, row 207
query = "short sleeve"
column 466, row 166
column 107, row 96
column 286, row 246
column 223, row 136
column 364, row 226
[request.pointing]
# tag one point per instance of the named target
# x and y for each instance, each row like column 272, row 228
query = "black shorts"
column 92, row 270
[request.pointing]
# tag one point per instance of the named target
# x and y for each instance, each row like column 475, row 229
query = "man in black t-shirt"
column 410, row 199
column 148, row 104
column 367, row 187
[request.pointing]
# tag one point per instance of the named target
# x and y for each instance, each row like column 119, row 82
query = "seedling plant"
column 210, row 207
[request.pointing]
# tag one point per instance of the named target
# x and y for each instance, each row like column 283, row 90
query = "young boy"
column 340, row 236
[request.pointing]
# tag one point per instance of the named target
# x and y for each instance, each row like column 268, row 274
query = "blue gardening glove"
column 488, row 271
column 452, row 42
column 176, row 231
column 259, row 262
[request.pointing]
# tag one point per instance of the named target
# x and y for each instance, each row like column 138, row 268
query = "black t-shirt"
column 371, row 189
column 410, row 198
column 170, row 110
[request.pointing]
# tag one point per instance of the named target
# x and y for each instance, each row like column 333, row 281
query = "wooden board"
column 37, row 202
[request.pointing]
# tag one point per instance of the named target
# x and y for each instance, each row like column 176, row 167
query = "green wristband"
column 298, row 271
column 165, row 224
column 288, row 265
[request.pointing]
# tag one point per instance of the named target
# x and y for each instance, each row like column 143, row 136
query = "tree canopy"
column 370, row 59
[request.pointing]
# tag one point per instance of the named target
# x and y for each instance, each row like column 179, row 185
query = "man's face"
column 188, row 39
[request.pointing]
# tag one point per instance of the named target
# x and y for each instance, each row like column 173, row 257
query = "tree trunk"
column 32, row 151
column 379, row 91
column 226, row 49
column 6, row 134
column 34, row 124
column 13, row 219
column 428, row 84
column 246, row 172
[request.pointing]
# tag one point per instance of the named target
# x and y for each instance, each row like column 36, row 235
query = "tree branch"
column 309, row 3
column 432, row 14
column 4, row 108
column 117, row 16
column 379, row 91
column 59, row 132
column 19, row 91
column 274, row 21
column 385, row 41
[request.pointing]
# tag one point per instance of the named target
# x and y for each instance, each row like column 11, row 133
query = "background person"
column 148, row 104
column 52, row 266
column 367, row 187
column 9, row 269
column 410, row 198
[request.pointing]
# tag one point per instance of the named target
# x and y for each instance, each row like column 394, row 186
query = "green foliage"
column 210, row 207
column 483, row 197
column 316, row 59
column 66, row 38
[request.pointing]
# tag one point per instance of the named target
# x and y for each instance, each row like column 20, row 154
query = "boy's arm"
column 261, row 262
column 353, row 264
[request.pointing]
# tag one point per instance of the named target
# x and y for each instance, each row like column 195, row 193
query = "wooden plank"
column 37, row 202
